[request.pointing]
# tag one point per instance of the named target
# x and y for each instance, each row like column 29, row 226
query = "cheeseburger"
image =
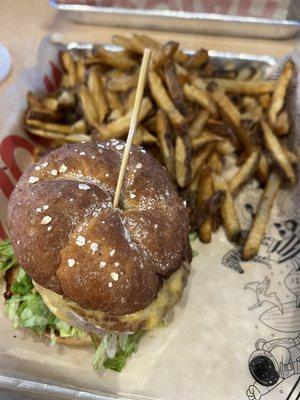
column 84, row 270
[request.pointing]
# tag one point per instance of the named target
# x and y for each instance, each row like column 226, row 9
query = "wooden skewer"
column 133, row 123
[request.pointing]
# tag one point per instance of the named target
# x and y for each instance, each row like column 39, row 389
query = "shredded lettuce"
column 7, row 256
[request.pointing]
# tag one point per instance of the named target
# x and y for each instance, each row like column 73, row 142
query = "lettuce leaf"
column 7, row 257
column 119, row 361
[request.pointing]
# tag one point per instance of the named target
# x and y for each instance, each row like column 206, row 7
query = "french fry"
column 245, row 87
column 138, row 136
column 112, row 58
column 129, row 102
column 265, row 100
column 33, row 101
column 199, row 159
column 164, row 102
column 114, row 102
column 205, row 191
column 245, row 73
column 123, row 83
column 174, row 87
column 198, row 59
column 77, row 127
column 96, row 89
column 119, row 127
column 70, row 68
column 165, row 143
column 198, row 124
column 124, row 42
column 150, row 124
column 215, row 163
column 164, row 54
column 225, row 147
column 227, row 209
column 52, row 135
column 80, row 71
column 222, row 129
column 245, row 172
column 203, row 139
column 262, row 216
column 291, row 156
column 145, row 41
column 273, row 145
column 280, row 91
column 148, row 138
column 200, row 97
column 88, row 106
column 182, row 161
column 282, row 124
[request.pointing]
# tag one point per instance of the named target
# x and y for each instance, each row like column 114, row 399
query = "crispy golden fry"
column 245, row 172
column 112, row 58
column 258, row 76
column 123, row 83
column 200, row 97
column 225, row 147
column 119, row 127
column 150, row 124
column 273, row 145
column 182, row 161
column 165, row 53
column 114, row 102
column 222, row 129
column 129, row 102
column 97, row 92
column 53, row 135
column 198, row 124
column 245, row 73
column 254, row 115
column 70, row 68
column 231, row 114
column 138, row 136
column 279, row 93
column 164, row 102
column 292, row 157
column 261, row 217
column 246, row 87
column 88, row 106
column 165, row 143
column 263, row 169
column 265, row 100
column 249, row 103
column 54, row 103
column 282, row 124
column 205, row 191
column 77, row 127
column 124, row 42
column 148, row 138
column 198, row 82
column 81, row 71
column 174, row 87
column 215, row 163
column 199, row 159
column 146, row 41
column 203, row 139
column 198, row 59
column 227, row 209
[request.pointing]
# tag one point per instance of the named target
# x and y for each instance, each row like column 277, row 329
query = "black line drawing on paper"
column 285, row 320
column 260, row 289
column 271, row 363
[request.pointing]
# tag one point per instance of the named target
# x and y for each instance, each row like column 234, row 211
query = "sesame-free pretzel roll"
column 69, row 239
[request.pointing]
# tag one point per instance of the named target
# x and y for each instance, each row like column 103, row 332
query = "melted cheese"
column 148, row 318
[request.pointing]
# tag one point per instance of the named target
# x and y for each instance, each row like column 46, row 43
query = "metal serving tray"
column 54, row 379
column 182, row 21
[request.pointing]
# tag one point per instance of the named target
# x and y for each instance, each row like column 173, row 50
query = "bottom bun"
column 97, row 322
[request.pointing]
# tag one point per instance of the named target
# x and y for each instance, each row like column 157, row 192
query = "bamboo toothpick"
column 133, row 123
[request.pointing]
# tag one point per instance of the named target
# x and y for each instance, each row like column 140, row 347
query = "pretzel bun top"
column 69, row 239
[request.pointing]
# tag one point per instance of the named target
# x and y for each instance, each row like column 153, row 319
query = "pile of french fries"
column 193, row 116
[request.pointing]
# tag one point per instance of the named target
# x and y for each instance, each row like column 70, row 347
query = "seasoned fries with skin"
column 96, row 89
column 174, row 87
column 182, row 161
column 215, row 163
column 123, row 83
column 165, row 53
column 70, row 68
column 227, row 209
column 201, row 98
column 280, row 91
column 273, row 145
column 197, row 60
column 119, row 127
column 203, row 139
column 88, row 106
column 245, row 172
column 205, row 191
column 114, row 59
column 282, row 124
column 262, row 216
column 244, row 87
column 164, row 102
column 198, row 124
column 199, row 159
column 165, row 143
